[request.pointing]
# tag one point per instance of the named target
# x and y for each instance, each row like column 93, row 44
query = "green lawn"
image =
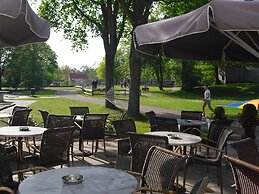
column 169, row 98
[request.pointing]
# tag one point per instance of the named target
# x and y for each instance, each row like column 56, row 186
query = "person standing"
column 206, row 100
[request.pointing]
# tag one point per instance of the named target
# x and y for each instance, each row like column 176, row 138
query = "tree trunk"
column 133, row 106
column 110, row 56
column 186, row 76
column 217, row 81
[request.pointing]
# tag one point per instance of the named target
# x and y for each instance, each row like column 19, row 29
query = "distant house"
column 78, row 79
column 238, row 75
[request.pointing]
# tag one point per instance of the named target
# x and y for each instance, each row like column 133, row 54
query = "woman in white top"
column 206, row 100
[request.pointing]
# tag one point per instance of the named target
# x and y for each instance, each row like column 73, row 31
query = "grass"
column 61, row 106
column 221, row 95
column 168, row 98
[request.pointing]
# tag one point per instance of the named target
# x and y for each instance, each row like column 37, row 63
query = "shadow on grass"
column 237, row 92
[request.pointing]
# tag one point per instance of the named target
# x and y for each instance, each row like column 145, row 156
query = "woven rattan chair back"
column 246, row 176
column 20, row 117
column 152, row 120
column 160, row 168
column 55, row 121
column 195, row 115
column 79, row 110
column 192, row 115
column 201, row 186
column 167, row 124
column 216, row 128
column 15, row 108
column 223, row 137
column 247, row 150
column 140, row 144
column 44, row 115
column 124, row 127
column 55, row 144
column 93, row 126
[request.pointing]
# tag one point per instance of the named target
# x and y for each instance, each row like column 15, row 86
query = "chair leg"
column 117, row 160
column 104, row 146
column 92, row 146
column 72, row 154
column 220, row 178
column 185, row 174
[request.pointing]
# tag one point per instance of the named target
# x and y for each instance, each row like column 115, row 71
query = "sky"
column 66, row 56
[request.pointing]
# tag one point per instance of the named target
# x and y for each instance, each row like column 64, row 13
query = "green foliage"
column 26, row 66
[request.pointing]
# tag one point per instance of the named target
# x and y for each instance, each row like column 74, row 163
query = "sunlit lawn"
column 169, row 98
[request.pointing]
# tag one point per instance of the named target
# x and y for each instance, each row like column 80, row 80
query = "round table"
column 97, row 180
column 14, row 132
column 190, row 122
column 183, row 139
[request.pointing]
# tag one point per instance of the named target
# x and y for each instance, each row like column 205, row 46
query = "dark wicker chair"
column 123, row 129
column 7, row 183
column 159, row 123
column 215, row 130
column 192, row 115
column 54, row 149
column 79, row 110
column 93, row 128
column 15, row 108
column 140, row 144
column 55, row 121
column 247, row 150
column 44, row 116
column 160, row 170
column 209, row 158
column 20, row 118
column 246, row 176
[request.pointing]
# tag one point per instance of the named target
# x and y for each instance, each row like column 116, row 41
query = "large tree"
column 30, row 66
column 76, row 17
column 138, row 12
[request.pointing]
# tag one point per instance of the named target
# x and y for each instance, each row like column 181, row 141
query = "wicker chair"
column 79, row 110
column 93, row 128
column 44, row 116
column 215, row 130
column 160, row 170
column 209, row 159
column 140, row 144
column 55, row 121
column 6, row 190
column 54, row 149
column 193, row 115
column 15, row 108
column 161, row 123
column 7, row 183
column 247, row 150
column 246, row 176
column 20, row 118
column 123, row 129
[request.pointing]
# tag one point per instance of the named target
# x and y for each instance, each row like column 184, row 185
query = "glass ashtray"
column 73, row 179
column 174, row 136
